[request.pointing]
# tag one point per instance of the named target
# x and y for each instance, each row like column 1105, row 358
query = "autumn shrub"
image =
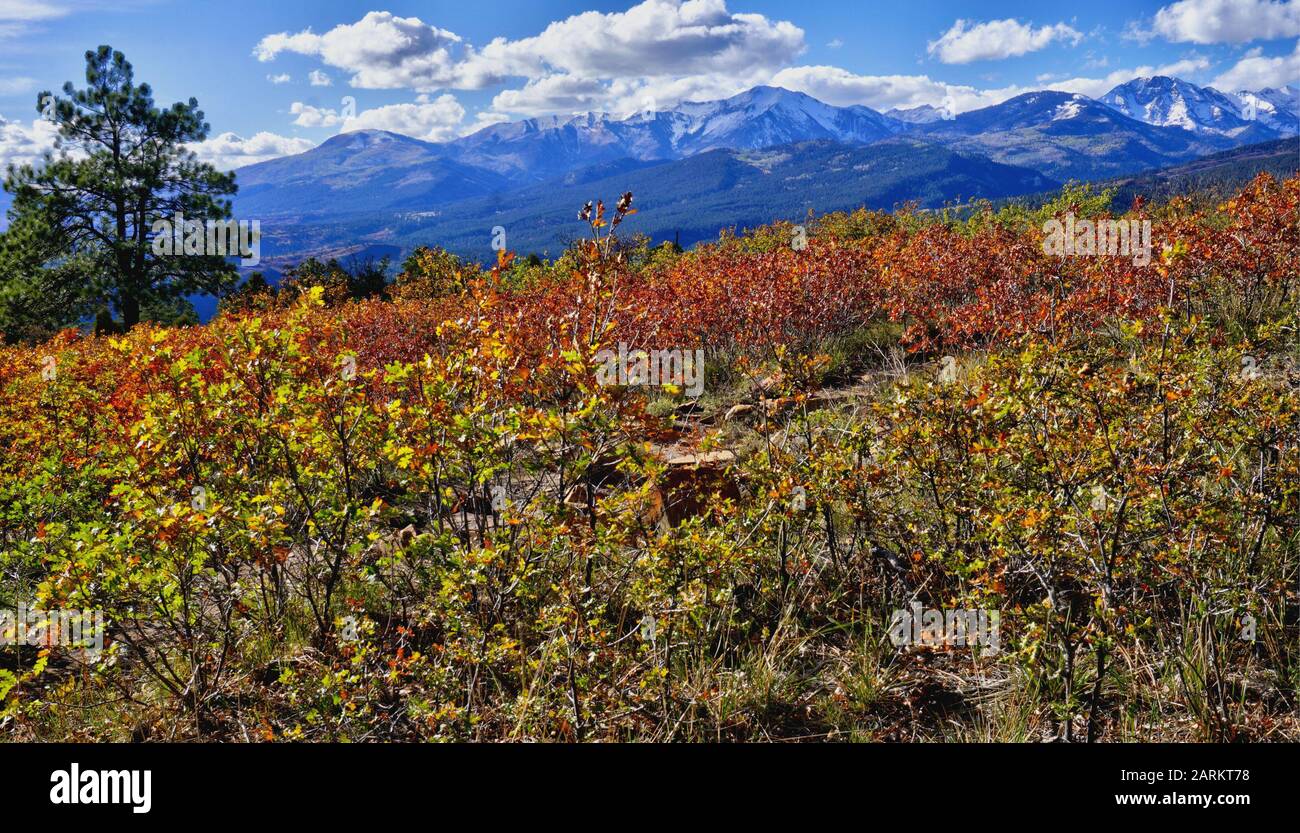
column 325, row 518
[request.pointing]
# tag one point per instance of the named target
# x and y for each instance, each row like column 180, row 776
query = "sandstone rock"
column 721, row 457
column 737, row 411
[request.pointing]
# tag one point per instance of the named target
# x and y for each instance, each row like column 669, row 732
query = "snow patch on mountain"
column 1278, row 108
column 1069, row 110
column 922, row 114
column 1172, row 102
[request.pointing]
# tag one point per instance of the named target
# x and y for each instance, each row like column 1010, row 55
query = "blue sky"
column 437, row 70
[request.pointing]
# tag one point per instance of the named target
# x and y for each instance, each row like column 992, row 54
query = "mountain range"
column 686, row 200
column 370, row 169
column 765, row 154
column 1172, row 102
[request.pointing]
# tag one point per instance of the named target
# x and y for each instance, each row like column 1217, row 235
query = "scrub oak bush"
column 420, row 517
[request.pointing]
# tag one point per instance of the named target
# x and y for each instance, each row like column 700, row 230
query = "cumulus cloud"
column 25, row 144
column 653, row 56
column 884, row 92
column 1255, row 72
column 1227, row 21
column 553, row 94
column 308, row 115
column 282, row 78
column 1097, row 87
column 996, row 39
column 482, row 120
column 431, row 119
column 653, row 38
column 661, row 93
column 381, row 50
column 566, row 94
column 319, row 79
column 229, row 151
column 586, row 61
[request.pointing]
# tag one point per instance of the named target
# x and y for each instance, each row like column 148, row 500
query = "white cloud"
column 17, row 16
column 652, row 56
column 27, row 10
column 1097, row 87
column 282, row 78
column 658, row 51
column 652, row 44
column 25, row 144
column 653, row 38
column 319, row 79
column 997, row 39
column 567, row 94
column 482, row 120
column 381, row 50
column 310, row 116
column 835, row 43
column 1255, row 72
column 662, row 93
column 884, row 92
column 553, row 94
column 22, row 144
column 431, row 119
column 229, row 151
column 1228, row 21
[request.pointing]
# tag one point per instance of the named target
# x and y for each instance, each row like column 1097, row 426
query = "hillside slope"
column 692, row 199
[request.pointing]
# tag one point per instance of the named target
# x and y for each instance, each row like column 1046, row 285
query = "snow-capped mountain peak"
column 921, row 114
column 756, row 118
column 1278, row 108
column 764, row 116
column 1173, row 102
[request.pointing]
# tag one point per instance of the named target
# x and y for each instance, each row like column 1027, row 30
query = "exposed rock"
column 737, row 411
column 768, row 383
column 693, row 483
column 720, row 457
column 690, row 407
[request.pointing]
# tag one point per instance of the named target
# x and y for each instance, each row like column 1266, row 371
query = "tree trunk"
column 130, row 311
